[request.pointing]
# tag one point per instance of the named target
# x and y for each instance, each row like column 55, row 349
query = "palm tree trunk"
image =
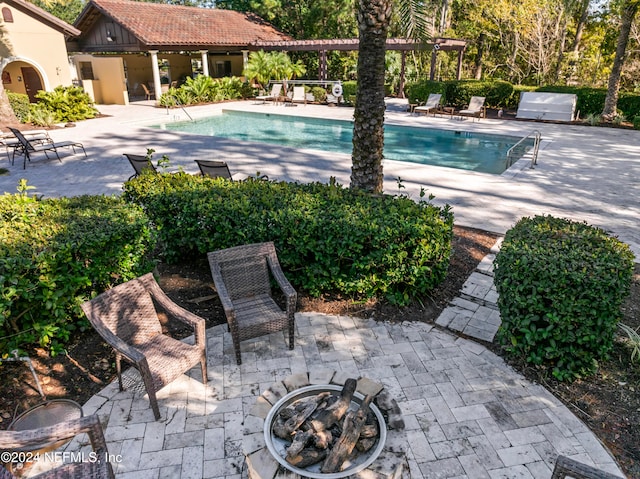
column 629, row 10
column 368, row 127
column 7, row 116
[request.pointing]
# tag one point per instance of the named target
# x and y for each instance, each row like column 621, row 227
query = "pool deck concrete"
column 585, row 173
column 466, row 413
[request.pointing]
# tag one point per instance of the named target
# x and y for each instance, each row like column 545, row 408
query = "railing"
column 181, row 107
column 534, row 153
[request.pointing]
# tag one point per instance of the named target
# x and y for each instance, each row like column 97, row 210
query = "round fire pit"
column 278, row 447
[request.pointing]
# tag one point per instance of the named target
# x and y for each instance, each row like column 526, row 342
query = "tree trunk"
column 479, row 57
column 629, row 10
column 582, row 21
column 368, row 134
column 7, row 116
column 561, row 47
column 444, row 14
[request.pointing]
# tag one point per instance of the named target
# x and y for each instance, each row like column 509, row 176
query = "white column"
column 157, row 88
column 245, row 59
column 205, row 62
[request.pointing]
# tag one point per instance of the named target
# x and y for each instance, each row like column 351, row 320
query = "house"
column 128, row 48
column 33, row 53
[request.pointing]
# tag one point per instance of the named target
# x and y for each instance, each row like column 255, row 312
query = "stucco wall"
column 108, row 86
column 38, row 45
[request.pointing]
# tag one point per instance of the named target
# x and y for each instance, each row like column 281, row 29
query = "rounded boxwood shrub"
column 20, row 104
column 561, row 286
column 329, row 239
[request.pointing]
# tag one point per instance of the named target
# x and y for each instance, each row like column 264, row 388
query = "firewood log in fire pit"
column 322, row 427
column 353, row 423
column 292, row 417
column 329, row 416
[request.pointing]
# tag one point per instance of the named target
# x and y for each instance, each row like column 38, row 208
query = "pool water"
column 454, row 149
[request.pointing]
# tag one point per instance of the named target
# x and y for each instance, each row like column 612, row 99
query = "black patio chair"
column 140, row 164
column 28, row 148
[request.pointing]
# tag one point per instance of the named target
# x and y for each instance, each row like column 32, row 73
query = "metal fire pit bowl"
column 277, row 447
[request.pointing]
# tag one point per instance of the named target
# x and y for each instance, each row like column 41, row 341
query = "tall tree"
column 7, row 116
column 368, row 127
column 629, row 10
column 67, row 10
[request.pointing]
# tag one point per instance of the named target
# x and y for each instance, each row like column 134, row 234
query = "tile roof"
column 164, row 24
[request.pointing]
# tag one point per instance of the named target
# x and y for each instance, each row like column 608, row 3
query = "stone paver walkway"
column 475, row 312
column 466, row 413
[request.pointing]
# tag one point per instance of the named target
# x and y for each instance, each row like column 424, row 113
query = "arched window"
column 7, row 16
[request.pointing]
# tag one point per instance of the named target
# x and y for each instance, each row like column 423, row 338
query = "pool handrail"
column 536, row 147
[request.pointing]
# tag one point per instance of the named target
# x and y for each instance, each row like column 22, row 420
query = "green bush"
column 629, row 104
column 55, row 254
column 636, row 122
column 561, row 286
column 319, row 94
column 20, row 104
column 457, row 93
column 330, row 239
column 591, row 100
column 349, row 90
column 417, row 93
column 67, row 103
column 40, row 115
column 204, row 89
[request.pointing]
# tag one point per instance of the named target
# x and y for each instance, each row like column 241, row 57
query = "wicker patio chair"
column 33, row 439
column 566, row 467
column 242, row 280
column 126, row 319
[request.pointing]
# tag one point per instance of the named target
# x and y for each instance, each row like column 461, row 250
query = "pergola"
column 348, row 44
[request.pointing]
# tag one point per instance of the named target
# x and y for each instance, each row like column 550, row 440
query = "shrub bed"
column 204, row 89
column 55, row 254
column 20, row 104
column 457, row 93
column 561, row 285
column 329, row 239
column 64, row 104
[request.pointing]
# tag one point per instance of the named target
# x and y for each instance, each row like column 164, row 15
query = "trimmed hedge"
column 329, row 239
column 591, row 100
column 561, row 286
column 498, row 93
column 502, row 94
column 55, row 254
column 20, row 104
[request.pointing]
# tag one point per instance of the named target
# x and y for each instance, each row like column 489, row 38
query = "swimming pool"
column 454, row 149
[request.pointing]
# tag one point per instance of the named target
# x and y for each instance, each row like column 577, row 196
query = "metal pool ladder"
column 534, row 153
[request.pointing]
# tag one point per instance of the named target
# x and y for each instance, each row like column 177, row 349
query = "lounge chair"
column 276, row 93
column 432, row 104
column 214, row 169
column 140, row 164
column 28, row 148
column 475, row 109
column 298, row 96
column 9, row 140
column 219, row 169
